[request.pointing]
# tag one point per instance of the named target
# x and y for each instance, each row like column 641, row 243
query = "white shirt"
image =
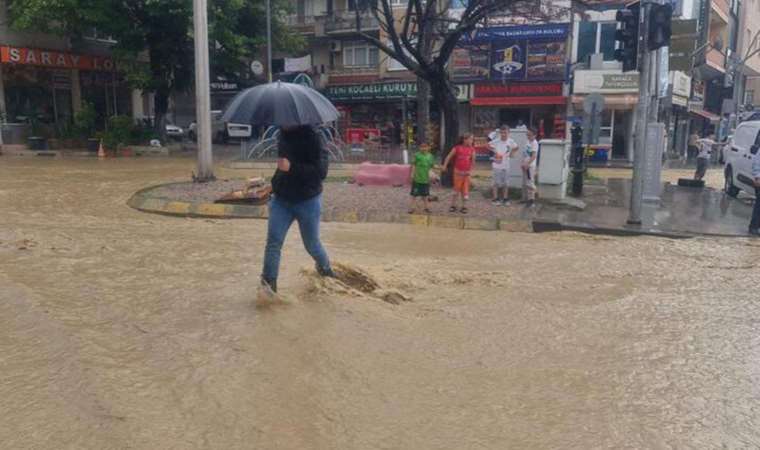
column 501, row 150
column 530, row 149
column 705, row 148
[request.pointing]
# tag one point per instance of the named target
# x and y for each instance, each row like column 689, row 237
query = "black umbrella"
column 280, row 104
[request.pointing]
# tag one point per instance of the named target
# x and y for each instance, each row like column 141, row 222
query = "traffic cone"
column 101, row 150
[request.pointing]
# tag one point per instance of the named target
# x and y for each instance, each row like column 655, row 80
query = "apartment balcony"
column 301, row 24
column 351, row 75
column 344, row 22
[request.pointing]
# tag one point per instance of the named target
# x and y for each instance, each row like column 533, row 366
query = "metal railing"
column 343, row 21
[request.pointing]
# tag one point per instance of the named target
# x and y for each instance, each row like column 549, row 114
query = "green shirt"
column 423, row 162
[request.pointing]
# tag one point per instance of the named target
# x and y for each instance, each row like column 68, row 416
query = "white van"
column 744, row 145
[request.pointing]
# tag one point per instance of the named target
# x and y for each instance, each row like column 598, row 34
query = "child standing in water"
column 529, row 158
column 463, row 155
column 419, row 176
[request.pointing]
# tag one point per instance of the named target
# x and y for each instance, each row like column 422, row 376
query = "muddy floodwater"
column 124, row 330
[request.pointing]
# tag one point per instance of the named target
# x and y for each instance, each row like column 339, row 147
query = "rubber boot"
column 326, row 272
column 270, row 284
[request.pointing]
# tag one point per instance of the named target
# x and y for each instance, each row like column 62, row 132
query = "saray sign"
column 54, row 59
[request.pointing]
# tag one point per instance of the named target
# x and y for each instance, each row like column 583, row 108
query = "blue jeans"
column 281, row 215
column 755, row 222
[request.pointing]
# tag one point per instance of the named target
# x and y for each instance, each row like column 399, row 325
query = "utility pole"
column 639, row 151
column 202, row 95
column 269, row 41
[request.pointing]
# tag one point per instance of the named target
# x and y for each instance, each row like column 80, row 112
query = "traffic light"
column 660, row 17
column 627, row 36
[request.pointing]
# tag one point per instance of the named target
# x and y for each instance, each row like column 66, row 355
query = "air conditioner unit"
column 335, row 46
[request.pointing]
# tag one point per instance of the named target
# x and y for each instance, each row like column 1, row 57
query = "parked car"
column 744, row 145
column 173, row 131
column 221, row 131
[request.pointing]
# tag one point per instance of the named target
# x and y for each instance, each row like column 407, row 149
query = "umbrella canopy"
column 280, row 104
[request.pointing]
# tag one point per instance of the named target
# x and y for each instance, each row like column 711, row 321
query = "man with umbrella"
column 301, row 166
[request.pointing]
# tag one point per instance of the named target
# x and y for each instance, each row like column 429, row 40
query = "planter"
column 93, row 144
column 37, row 143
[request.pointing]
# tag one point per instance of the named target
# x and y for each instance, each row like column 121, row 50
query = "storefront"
column 677, row 116
column 620, row 92
column 376, row 106
column 518, row 75
column 538, row 105
column 49, row 87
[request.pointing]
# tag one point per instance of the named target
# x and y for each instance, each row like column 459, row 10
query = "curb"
column 143, row 201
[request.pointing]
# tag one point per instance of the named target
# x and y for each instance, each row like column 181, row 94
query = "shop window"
column 596, row 37
column 606, row 129
column 359, row 54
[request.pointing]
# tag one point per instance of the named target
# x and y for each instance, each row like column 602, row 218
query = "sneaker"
column 496, row 202
column 506, row 203
column 326, row 272
column 530, row 204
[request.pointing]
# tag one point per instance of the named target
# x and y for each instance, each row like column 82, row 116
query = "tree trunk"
column 161, row 105
column 423, row 110
column 443, row 93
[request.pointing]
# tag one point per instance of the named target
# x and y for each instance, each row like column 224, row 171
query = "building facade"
column 47, row 79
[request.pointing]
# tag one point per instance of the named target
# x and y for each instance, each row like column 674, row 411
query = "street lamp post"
column 269, row 41
column 202, row 95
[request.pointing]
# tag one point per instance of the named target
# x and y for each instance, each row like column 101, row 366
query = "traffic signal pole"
column 642, row 109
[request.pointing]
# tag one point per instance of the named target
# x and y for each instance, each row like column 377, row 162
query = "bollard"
column 579, row 160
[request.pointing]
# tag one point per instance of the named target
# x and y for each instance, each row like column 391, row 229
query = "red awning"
column 706, row 114
column 509, row 101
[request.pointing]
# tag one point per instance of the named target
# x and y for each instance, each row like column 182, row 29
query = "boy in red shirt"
column 464, row 159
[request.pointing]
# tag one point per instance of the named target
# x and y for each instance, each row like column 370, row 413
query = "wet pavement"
column 681, row 210
column 120, row 329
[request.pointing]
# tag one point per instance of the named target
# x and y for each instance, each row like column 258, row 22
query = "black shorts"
column 420, row 190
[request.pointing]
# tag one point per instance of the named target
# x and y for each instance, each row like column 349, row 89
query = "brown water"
column 122, row 330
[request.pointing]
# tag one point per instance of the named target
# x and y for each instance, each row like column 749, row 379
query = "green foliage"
column 163, row 30
column 122, row 130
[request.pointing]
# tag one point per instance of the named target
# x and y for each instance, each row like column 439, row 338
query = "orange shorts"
column 462, row 183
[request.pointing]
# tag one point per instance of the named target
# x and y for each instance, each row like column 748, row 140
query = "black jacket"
column 305, row 150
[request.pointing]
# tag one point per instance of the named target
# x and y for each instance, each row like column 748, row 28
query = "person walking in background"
column 297, row 196
column 503, row 148
column 419, row 177
column 703, row 157
column 692, row 147
column 463, row 155
column 754, row 225
column 529, row 158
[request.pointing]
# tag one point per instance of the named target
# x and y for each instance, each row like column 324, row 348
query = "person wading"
column 297, row 196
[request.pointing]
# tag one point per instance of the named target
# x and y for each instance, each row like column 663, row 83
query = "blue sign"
column 555, row 31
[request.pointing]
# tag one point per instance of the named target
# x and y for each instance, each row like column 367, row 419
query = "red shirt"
column 463, row 158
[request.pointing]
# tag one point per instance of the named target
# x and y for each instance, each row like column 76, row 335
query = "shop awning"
column 522, row 101
column 705, row 114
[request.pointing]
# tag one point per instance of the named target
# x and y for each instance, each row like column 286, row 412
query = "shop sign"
column 518, row 90
column 218, row 86
column 554, row 31
column 603, row 82
column 682, row 44
column 463, row 92
column 528, row 61
column 54, row 59
column 470, row 62
column 375, row 91
column 698, row 93
column 681, row 84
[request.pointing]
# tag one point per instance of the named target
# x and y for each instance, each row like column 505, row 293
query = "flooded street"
column 125, row 330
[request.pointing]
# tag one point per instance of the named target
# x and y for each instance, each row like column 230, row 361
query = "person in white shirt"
column 503, row 148
column 754, row 225
column 529, row 163
column 705, row 146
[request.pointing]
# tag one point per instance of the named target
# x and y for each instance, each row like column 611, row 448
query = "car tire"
column 731, row 190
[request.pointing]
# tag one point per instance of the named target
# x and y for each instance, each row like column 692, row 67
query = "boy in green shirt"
column 419, row 177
